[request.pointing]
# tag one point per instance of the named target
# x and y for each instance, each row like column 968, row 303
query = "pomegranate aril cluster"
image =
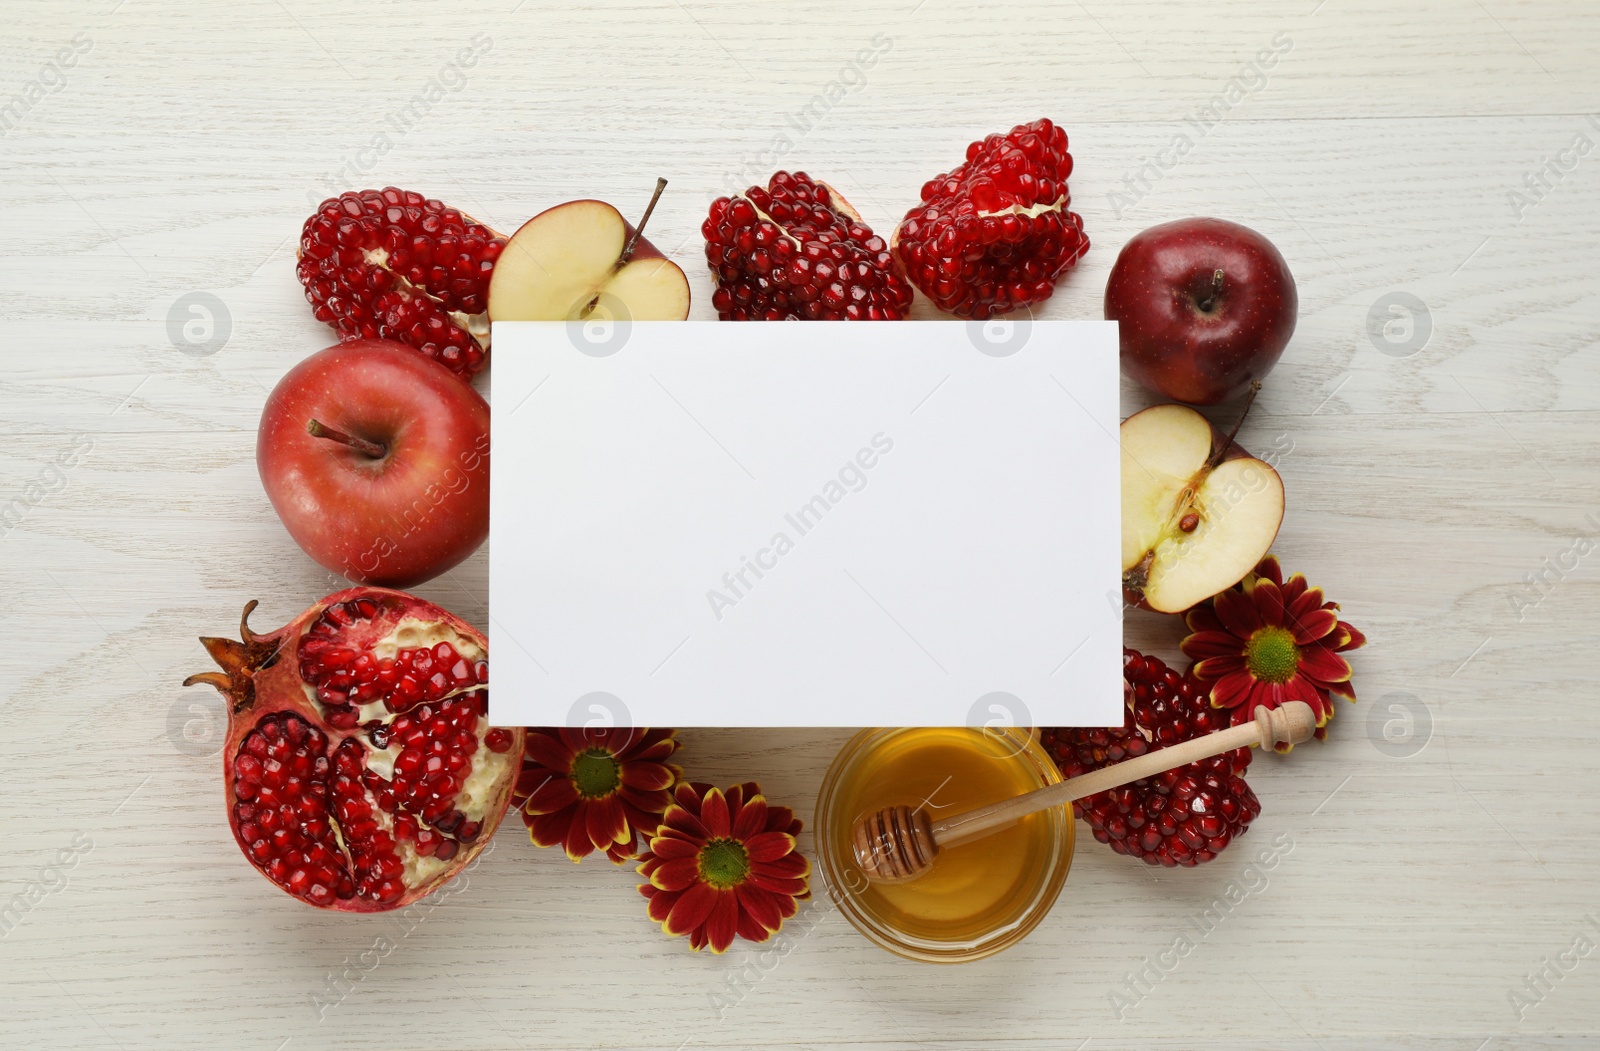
column 994, row 234
column 346, row 677
column 791, row 252
column 1179, row 817
column 373, row 856
column 393, row 264
column 437, row 746
column 280, row 783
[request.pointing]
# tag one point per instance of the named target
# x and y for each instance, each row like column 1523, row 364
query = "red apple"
column 582, row 260
column 376, row 458
column 1204, row 307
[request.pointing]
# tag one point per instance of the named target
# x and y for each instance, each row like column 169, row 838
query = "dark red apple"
column 1204, row 307
column 377, row 460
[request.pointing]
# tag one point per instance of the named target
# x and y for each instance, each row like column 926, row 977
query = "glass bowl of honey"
column 979, row 897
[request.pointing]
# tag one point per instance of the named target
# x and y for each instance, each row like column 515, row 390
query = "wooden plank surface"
column 1391, row 148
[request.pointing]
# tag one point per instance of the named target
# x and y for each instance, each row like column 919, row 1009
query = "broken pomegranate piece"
column 795, row 250
column 994, row 234
column 360, row 770
column 393, row 264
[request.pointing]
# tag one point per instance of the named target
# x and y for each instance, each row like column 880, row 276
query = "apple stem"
column 1222, row 449
column 1210, row 301
column 638, row 231
column 317, row 429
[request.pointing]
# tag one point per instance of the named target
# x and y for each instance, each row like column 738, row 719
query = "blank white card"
column 805, row 524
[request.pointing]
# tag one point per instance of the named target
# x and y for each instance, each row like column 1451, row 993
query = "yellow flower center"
column 596, row 773
column 724, row 863
column 1271, row 654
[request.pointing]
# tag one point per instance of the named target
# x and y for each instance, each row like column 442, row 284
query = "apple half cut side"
column 1198, row 512
column 583, row 260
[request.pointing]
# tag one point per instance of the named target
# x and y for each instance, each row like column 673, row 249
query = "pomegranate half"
column 360, row 769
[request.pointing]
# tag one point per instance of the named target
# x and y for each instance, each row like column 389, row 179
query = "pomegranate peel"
column 359, row 769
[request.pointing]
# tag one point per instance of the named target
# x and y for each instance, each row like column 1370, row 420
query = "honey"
column 979, row 896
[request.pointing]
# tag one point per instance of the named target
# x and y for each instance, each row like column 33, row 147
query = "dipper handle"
column 898, row 843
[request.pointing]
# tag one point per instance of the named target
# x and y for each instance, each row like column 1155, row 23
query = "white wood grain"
column 1380, row 153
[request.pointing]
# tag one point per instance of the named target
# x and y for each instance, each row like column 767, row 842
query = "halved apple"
column 1198, row 512
column 583, row 260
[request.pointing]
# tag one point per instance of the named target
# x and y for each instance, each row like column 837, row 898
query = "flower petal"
column 768, row 846
column 689, row 795
column 676, row 873
column 661, row 902
column 1342, row 689
column 1313, row 626
column 761, row 905
column 752, row 819
column 789, row 904
column 1294, row 590
column 1203, row 644
column 1232, row 689
column 750, row 928
column 1261, row 695
column 644, row 822
column 1303, row 604
column 781, row 886
column 668, row 848
column 647, row 777
column 1269, row 601
column 620, row 741
column 578, row 844
column 714, row 814
column 1238, row 612
column 691, row 909
column 1217, row 667
column 1202, row 618
column 1323, row 665
column 789, row 866
column 539, row 747
column 554, row 794
column 1350, row 638
column 550, row 830
column 723, row 922
column 606, row 823
column 1303, row 689
column 679, row 818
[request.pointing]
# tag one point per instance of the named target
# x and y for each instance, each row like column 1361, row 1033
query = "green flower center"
column 596, row 773
column 724, row 863
column 1271, row 654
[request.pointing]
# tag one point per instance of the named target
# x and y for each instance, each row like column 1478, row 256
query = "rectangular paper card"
column 805, row 524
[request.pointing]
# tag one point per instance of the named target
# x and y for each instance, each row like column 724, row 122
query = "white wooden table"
column 1432, row 469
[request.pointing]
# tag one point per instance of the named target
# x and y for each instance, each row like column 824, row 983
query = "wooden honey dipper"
column 898, row 844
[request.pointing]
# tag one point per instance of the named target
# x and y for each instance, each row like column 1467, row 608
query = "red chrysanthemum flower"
column 595, row 788
column 1265, row 641
column 724, row 864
